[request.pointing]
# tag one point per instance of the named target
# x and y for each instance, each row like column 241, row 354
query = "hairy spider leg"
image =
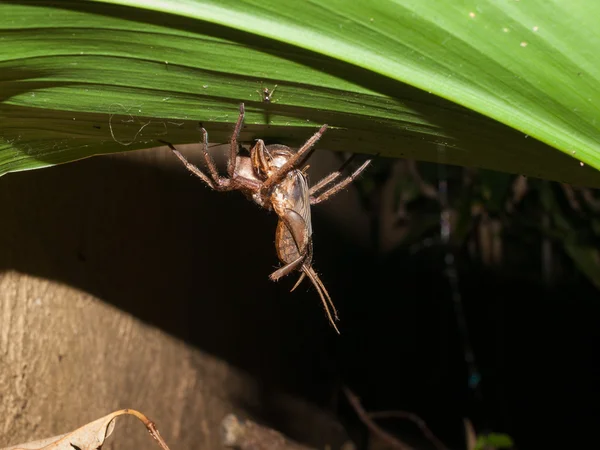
column 336, row 187
column 332, row 176
column 297, row 159
column 189, row 166
column 208, row 159
column 217, row 183
column 233, row 145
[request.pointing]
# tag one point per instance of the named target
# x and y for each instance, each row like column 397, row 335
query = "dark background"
column 140, row 233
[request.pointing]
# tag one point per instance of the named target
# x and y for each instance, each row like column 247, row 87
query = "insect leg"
column 339, row 186
column 287, row 269
column 302, row 276
column 325, row 298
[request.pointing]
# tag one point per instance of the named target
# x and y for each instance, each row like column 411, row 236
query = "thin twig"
column 150, row 426
column 413, row 418
column 391, row 440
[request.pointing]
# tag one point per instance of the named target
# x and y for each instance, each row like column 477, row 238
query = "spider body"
column 271, row 177
column 267, row 94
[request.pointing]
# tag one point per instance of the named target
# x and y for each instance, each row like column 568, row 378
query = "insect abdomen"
column 287, row 251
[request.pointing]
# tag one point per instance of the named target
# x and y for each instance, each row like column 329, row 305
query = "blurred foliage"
column 493, row 441
column 522, row 226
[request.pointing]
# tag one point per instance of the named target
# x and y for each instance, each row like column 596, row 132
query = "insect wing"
column 299, row 198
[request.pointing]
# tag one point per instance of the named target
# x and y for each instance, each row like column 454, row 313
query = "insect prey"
column 274, row 177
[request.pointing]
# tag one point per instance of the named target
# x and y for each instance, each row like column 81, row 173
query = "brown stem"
column 413, row 418
column 150, row 426
column 391, row 440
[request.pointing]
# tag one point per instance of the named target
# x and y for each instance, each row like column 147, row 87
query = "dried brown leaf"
column 90, row 436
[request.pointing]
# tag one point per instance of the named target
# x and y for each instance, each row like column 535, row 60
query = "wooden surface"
column 124, row 282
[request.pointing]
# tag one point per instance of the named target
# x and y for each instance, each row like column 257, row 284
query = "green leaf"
column 79, row 78
column 494, row 440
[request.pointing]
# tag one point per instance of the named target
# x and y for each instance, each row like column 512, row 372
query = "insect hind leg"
column 287, row 269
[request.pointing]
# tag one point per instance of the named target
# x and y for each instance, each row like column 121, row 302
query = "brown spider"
column 270, row 176
column 267, row 94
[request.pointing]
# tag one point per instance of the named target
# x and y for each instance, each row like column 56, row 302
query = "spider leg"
column 189, row 166
column 208, row 159
column 297, row 159
column 331, row 177
column 217, row 182
column 338, row 186
column 234, row 147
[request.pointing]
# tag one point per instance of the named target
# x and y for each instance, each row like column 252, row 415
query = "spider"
column 271, row 177
column 267, row 94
